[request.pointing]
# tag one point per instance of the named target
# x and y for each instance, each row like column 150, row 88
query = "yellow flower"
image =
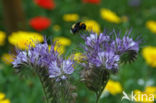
column 109, row 16
column 62, row 41
column 56, row 28
column 113, row 87
column 151, row 90
column 78, row 57
column 5, row 101
column 59, row 48
column 23, row 39
column 70, row 17
column 92, row 25
column 7, row 58
column 149, row 53
column 151, row 25
column 143, row 97
column 2, row 98
column 2, row 38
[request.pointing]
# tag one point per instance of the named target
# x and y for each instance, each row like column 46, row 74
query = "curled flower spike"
column 126, row 47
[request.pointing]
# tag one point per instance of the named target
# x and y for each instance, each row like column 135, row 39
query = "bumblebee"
column 79, row 26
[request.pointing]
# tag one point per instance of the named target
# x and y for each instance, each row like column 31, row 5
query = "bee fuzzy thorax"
column 79, row 26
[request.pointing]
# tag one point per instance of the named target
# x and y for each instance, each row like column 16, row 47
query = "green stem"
column 98, row 95
column 43, row 89
column 42, row 77
column 97, row 98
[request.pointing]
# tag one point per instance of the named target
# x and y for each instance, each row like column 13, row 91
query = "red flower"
column 92, row 1
column 40, row 23
column 46, row 4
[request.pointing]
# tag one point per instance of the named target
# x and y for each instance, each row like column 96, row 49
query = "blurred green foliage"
column 27, row 89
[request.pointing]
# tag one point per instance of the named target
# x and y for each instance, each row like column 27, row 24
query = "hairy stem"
column 97, row 98
column 43, row 89
column 46, row 83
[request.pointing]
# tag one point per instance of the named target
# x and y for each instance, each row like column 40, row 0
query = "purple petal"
column 68, row 67
column 54, row 70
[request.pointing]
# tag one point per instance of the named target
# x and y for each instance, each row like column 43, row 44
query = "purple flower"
column 21, row 59
column 39, row 54
column 106, row 49
column 134, row 3
column 108, row 59
column 130, row 44
column 54, row 70
column 125, row 44
column 95, row 39
column 41, row 57
column 57, row 69
column 91, row 40
column 68, row 66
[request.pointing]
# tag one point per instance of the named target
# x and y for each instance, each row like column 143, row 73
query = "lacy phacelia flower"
column 21, row 59
column 61, row 68
column 23, row 39
column 46, row 4
column 2, row 38
column 70, row 17
column 110, row 16
column 151, row 25
column 40, row 23
column 103, row 50
column 103, row 54
column 149, row 53
column 51, row 68
column 94, row 39
column 99, row 55
column 92, row 1
column 92, row 25
column 107, row 59
column 124, row 46
column 41, row 57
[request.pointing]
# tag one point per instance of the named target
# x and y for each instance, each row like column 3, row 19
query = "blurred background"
column 24, row 20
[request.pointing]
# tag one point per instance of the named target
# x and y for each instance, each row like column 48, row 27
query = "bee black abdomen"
column 83, row 26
